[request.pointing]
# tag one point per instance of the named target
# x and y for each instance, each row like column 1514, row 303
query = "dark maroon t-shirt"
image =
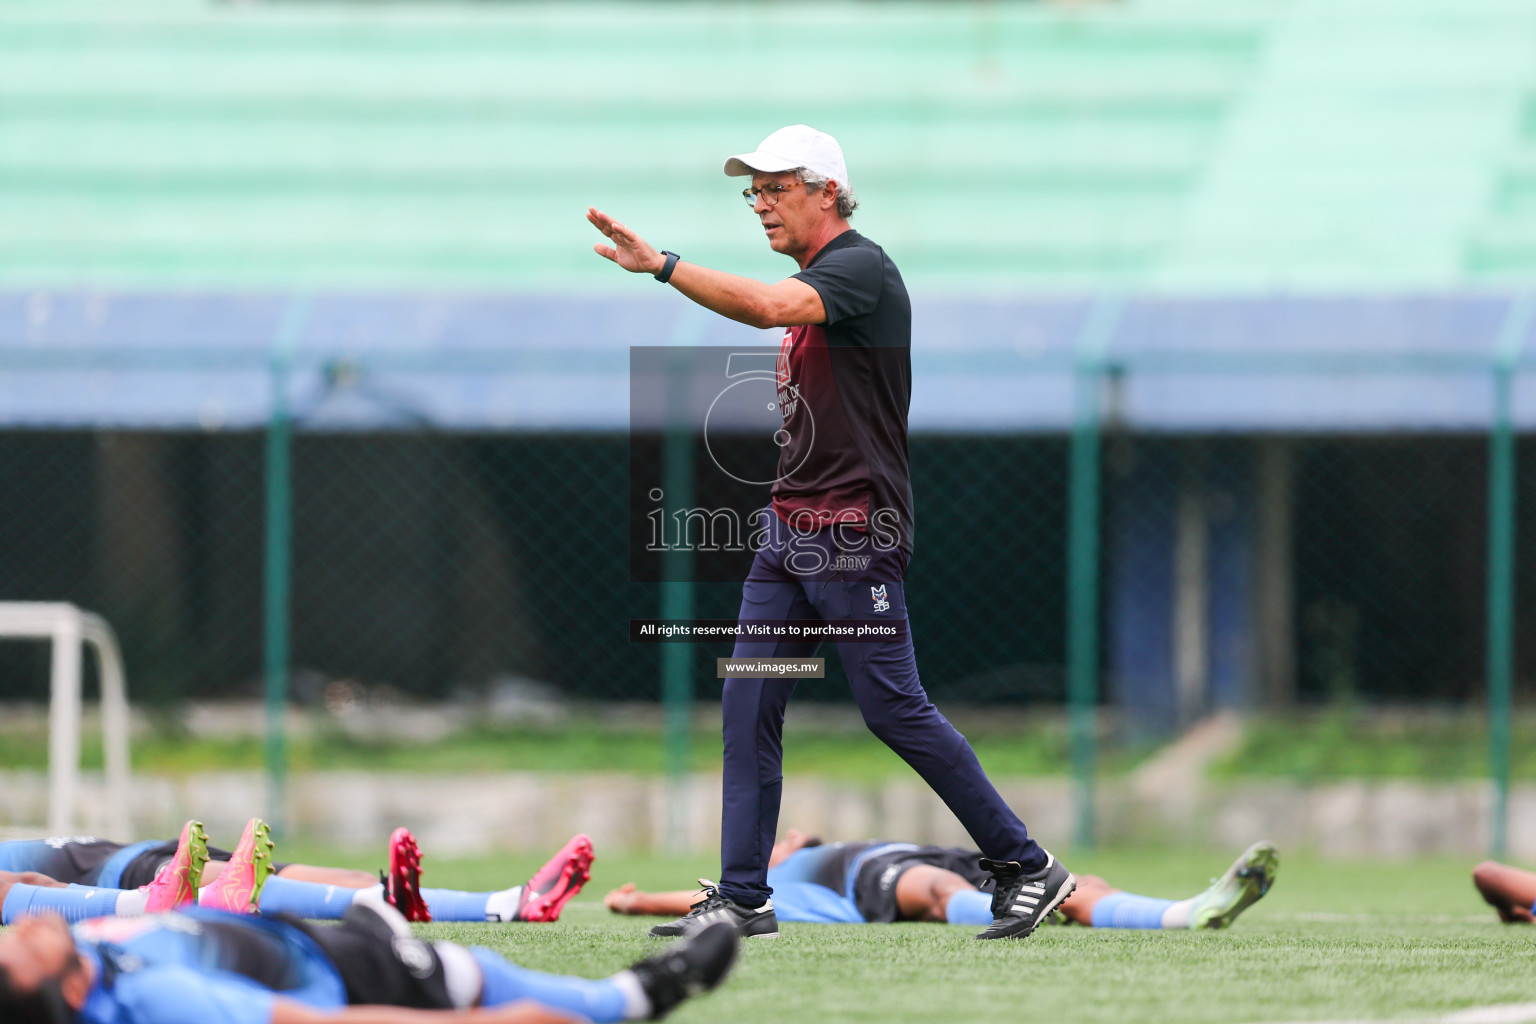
column 844, row 389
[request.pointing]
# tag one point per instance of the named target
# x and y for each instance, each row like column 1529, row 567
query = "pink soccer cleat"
column 176, row 883
column 553, row 885
column 402, row 885
column 238, row 889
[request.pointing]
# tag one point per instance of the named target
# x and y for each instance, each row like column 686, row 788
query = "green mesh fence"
column 159, row 532
column 1390, row 570
column 1229, row 569
column 433, row 562
column 1332, row 568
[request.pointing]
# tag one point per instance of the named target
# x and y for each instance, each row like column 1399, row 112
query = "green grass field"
column 580, row 745
column 1304, row 747
column 1331, row 942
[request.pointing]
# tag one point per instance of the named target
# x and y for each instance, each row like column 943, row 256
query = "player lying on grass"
column 880, row 882
column 203, row 966
column 85, row 877
column 1510, row 891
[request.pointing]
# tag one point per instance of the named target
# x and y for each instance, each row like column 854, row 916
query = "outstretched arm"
column 789, row 303
column 627, row 899
column 287, row 1012
column 341, row 878
column 10, row 878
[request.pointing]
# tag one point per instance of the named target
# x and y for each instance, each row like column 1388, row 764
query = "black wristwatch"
column 665, row 273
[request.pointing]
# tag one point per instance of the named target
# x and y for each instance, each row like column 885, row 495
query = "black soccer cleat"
column 751, row 922
column 1021, row 902
column 685, row 969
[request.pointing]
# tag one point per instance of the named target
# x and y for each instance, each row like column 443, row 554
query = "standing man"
column 839, row 530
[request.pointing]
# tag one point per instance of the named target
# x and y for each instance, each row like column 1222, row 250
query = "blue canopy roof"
column 470, row 362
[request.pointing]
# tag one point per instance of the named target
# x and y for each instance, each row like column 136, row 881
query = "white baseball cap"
column 788, row 148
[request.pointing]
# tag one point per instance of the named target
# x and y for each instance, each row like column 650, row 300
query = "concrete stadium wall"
column 537, row 812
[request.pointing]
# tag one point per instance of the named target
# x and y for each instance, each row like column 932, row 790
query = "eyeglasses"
column 771, row 194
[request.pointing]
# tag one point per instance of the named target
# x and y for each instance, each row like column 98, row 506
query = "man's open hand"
column 628, row 250
column 622, row 900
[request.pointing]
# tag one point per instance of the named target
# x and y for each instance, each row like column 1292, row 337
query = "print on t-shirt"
column 852, row 375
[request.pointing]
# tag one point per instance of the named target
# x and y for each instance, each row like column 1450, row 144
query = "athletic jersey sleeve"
column 810, row 903
column 180, row 995
column 848, row 280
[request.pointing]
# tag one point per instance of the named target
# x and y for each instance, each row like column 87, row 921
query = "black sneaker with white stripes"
column 1021, row 902
column 751, row 922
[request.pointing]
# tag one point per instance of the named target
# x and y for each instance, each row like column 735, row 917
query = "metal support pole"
column 1501, row 564
column 278, row 562
column 677, row 659
column 677, row 590
column 1083, row 560
column 115, row 721
column 68, row 628
column 64, row 724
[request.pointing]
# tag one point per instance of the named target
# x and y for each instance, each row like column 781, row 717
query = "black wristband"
column 665, row 273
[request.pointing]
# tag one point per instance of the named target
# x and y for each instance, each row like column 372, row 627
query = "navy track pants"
column 884, row 681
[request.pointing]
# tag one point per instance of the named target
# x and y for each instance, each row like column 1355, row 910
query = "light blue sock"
column 330, row 902
column 306, row 899
column 1127, row 910
column 601, row 1001
column 969, row 907
column 76, row 903
column 453, row 905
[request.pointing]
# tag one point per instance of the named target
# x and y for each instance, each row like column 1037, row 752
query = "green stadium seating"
column 996, row 146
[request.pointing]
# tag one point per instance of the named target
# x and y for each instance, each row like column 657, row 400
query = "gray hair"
column 847, row 202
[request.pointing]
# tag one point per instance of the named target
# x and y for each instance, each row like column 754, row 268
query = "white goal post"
column 69, row 628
